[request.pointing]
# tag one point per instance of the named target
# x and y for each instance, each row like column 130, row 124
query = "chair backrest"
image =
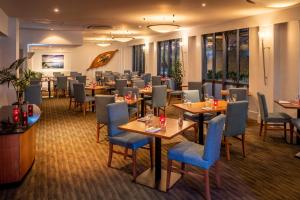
column 81, row 79
column 120, row 84
column 156, row 80
column 217, row 92
column 71, row 87
column 35, row 81
column 79, row 92
column 159, row 96
column 108, row 78
column 62, row 82
column 33, row 94
column 207, row 89
column 101, row 112
column 117, row 115
column 74, row 74
column 263, row 108
column 171, row 84
column 56, row 74
column 191, row 95
column 134, row 90
column 241, row 93
column 213, row 139
column 147, row 78
column 126, row 76
column 139, row 84
column 98, row 73
column 134, row 73
column 196, row 85
column 236, row 118
column 126, row 71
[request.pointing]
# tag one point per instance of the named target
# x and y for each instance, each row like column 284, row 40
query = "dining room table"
column 295, row 105
column 156, row 177
column 200, row 108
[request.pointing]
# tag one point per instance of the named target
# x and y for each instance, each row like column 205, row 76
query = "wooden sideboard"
column 17, row 151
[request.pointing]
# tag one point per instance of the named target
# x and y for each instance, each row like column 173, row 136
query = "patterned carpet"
column 71, row 165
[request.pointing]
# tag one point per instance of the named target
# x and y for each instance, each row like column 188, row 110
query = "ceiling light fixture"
column 163, row 28
column 123, row 39
column 274, row 3
column 56, row 10
column 203, row 4
column 104, row 44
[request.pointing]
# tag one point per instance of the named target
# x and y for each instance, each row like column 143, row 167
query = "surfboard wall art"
column 102, row 59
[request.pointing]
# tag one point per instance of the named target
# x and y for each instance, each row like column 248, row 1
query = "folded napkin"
column 206, row 108
column 152, row 130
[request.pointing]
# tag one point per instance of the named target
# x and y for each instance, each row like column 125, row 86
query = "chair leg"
column 218, row 176
column 243, row 145
column 265, row 131
column 182, row 168
column 126, row 153
column 70, row 103
column 134, row 164
column 207, row 187
column 151, row 154
column 169, row 99
column 169, row 170
column 84, row 108
column 227, row 146
column 284, row 127
column 196, row 133
column 98, row 132
column 110, row 152
column 291, row 133
column 261, row 127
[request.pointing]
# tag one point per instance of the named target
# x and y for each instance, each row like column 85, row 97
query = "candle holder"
column 16, row 114
column 30, row 110
column 25, row 118
column 216, row 102
column 163, row 122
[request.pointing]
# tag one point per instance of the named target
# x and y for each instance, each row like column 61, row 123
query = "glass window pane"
column 232, row 68
column 244, row 56
column 209, row 56
column 219, row 56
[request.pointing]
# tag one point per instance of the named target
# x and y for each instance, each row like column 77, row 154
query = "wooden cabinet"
column 17, row 154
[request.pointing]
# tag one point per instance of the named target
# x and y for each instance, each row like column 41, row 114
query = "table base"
column 147, row 178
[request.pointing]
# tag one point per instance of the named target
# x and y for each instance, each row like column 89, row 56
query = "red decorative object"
column 25, row 118
column 216, row 102
column 16, row 114
column 30, row 110
column 162, row 120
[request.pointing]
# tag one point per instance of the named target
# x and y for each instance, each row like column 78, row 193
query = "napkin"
column 152, row 129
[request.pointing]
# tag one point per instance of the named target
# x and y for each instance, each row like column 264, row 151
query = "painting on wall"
column 52, row 61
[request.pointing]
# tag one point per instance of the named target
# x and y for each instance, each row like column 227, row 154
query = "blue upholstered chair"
column 101, row 102
column 62, row 85
column 147, row 78
column 235, row 123
column 207, row 89
column 193, row 97
column 195, row 85
column 118, row 115
column 81, row 79
column 156, row 80
column 175, row 92
column 159, row 98
column 276, row 118
column 241, row 93
column 81, row 98
column 127, row 71
column 120, row 84
column 198, row 155
column 71, row 92
column 33, row 94
column 139, row 84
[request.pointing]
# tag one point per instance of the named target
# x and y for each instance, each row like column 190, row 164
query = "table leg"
column 49, row 88
column 157, row 161
column 93, row 105
column 200, row 128
column 142, row 105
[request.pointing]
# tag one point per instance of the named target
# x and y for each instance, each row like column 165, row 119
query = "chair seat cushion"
column 89, row 98
column 296, row 123
column 189, row 153
column 195, row 117
column 130, row 140
column 278, row 117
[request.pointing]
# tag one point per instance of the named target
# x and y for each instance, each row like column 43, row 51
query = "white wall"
column 3, row 23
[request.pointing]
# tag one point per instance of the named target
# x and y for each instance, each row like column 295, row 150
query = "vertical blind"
column 167, row 54
column 138, row 64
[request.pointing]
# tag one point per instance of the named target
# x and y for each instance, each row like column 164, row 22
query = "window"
column 138, row 60
column 226, row 58
column 167, row 55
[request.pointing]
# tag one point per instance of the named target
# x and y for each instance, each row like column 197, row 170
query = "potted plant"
column 8, row 75
column 177, row 74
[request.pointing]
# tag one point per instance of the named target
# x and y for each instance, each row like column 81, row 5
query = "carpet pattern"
column 71, row 165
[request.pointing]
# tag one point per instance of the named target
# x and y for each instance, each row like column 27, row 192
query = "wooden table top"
column 129, row 102
column 113, row 83
column 149, row 91
column 97, row 87
column 226, row 93
column 200, row 107
column 289, row 104
column 172, row 128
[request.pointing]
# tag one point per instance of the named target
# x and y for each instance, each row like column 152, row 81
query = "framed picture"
column 52, row 61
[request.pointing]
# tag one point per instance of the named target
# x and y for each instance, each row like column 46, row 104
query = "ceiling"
column 129, row 17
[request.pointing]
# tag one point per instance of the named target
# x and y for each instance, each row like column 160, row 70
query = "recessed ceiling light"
column 103, row 44
column 140, row 26
column 203, row 4
column 51, row 29
column 56, row 10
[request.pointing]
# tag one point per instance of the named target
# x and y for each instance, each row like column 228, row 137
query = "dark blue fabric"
column 130, row 140
column 296, row 123
column 199, row 155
